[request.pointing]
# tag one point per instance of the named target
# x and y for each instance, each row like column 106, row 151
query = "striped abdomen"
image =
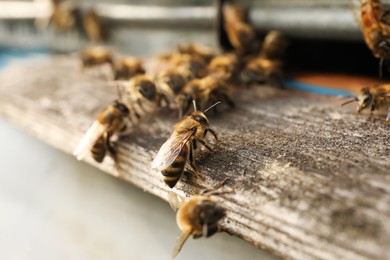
column 98, row 150
column 174, row 171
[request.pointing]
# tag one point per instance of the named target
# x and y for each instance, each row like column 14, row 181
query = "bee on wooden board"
column 224, row 66
column 178, row 151
column 141, row 97
column 196, row 65
column 96, row 56
column 203, row 91
column 193, row 49
column 127, row 68
column 240, row 34
column 171, row 81
column 376, row 98
column 138, row 101
column 111, row 122
column 267, row 67
column 198, row 216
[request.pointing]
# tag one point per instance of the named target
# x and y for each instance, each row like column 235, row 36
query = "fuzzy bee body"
column 112, row 121
column 375, row 31
column 199, row 216
column 203, row 91
column 127, row 68
column 267, row 66
column 241, row 35
column 96, row 56
column 141, row 97
column 170, row 82
column 376, row 98
column 178, row 151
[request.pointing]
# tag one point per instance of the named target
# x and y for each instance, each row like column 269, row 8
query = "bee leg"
column 206, row 145
column 110, row 147
column 192, row 163
column 213, row 133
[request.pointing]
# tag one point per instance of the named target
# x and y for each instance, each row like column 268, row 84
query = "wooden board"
column 311, row 180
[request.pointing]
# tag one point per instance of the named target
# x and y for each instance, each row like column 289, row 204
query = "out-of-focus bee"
column 63, row 15
column 93, row 27
column 170, row 82
column 193, row 49
column 375, row 25
column 267, row 67
column 141, row 97
column 112, row 121
column 376, row 98
column 196, row 65
column 198, row 216
column 203, row 91
column 224, row 66
column 178, row 150
column 375, row 31
column 240, row 34
column 96, row 56
column 127, row 68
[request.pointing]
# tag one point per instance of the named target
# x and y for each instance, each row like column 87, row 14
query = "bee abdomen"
column 173, row 173
column 98, row 150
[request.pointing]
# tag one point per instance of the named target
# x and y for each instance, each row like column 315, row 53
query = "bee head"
column 200, row 117
column 364, row 99
column 147, row 89
column 176, row 82
column 121, row 107
column 209, row 213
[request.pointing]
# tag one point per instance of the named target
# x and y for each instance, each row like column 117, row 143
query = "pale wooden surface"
column 311, row 179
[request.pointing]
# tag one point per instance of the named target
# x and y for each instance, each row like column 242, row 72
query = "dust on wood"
column 311, row 179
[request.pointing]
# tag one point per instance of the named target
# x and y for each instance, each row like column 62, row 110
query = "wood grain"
column 311, row 180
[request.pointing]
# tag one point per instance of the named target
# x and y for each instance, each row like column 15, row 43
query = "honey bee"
column 374, row 30
column 127, row 68
column 203, row 91
column 196, row 50
column 178, row 150
column 198, row 216
column 224, row 66
column 240, row 34
column 170, row 81
column 96, row 56
column 93, row 27
column 141, row 97
column 267, row 67
column 376, row 98
column 138, row 102
column 111, row 122
column 196, row 65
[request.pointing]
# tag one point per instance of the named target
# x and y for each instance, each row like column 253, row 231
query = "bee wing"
column 175, row 201
column 89, row 138
column 180, row 242
column 170, row 150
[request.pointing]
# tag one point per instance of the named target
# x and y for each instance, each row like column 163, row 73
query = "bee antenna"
column 349, row 101
column 194, row 103
column 219, row 102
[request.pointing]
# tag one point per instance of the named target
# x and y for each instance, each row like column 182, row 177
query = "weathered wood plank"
column 311, row 179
